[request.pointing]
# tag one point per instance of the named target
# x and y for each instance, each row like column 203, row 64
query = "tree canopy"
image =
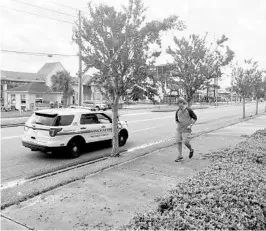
column 117, row 44
column 196, row 62
column 243, row 78
column 62, row 81
column 259, row 88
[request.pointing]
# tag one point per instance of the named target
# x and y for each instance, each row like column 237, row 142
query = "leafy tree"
column 195, row 63
column 62, row 82
column 118, row 44
column 264, row 86
column 259, row 88
column 243, row 80
column 137, row 93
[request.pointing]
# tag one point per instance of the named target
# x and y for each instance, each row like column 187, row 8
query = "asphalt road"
column 145, row 128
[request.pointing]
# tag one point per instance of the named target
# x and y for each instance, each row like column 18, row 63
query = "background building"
column 37, row 88
column 31, row 95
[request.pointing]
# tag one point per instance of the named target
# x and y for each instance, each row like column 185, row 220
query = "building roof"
column 48, row 67
column 85, row 79
column 21, row 76
column 31, row 88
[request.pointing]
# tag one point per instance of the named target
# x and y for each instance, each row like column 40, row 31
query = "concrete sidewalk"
column 110, row 198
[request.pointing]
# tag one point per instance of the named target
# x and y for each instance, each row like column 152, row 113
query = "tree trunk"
column 207, row 94
column 115, row 147
column 190, row 101
column 257, row 105
column 265, row 104
column 170, row 97
column 244, row 107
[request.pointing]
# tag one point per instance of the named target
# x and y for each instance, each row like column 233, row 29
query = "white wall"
column 53, row 97
column 31, row 100
column 18, row 102
column 5, row 94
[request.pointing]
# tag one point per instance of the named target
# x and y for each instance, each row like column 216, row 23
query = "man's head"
column 181, row 102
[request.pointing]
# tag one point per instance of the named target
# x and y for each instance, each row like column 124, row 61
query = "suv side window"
column 64, row 120
column 103, row 119
column 89, row 119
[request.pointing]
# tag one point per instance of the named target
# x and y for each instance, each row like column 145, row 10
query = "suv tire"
column 74, row 148
column 122, row 138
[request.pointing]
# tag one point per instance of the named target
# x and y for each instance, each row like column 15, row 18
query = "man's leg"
column 179, row 145
column 186, row 138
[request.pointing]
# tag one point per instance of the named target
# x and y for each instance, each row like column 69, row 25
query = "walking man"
column 185, row 117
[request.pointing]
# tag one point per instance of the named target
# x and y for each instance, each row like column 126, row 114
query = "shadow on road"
column 87, row 149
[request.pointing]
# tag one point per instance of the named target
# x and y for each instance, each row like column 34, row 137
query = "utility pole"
column 80, row 63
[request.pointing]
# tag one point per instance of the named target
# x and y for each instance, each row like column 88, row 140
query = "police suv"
column 69, row 128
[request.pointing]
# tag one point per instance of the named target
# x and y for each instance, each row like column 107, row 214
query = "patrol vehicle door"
column 90, row 127
column 106, row 126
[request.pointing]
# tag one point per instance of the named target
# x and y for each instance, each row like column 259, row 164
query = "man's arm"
column 176, row 116
column 193, row 116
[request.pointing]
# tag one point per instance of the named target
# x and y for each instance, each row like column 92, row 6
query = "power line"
column 59, row 20
column 69, row 7
column 40, row 7
column 34, row 53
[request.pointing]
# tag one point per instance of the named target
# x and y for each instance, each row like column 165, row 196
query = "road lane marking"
column 10, row 137
column 142, row 113
column 140, row 130
column 157, row 118
column 149, row 144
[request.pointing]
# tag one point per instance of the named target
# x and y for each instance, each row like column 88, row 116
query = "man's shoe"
column 191, row 153
column 179, row 159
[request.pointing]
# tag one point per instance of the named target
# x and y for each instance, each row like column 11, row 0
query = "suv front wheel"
column 122, row 138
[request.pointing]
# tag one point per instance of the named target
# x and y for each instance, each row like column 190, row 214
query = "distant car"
column 51, row 129
column 95, row 105
column 110, row 104
column 89, row 104
column 101, row 106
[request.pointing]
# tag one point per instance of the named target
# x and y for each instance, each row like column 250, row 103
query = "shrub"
column 229, row 194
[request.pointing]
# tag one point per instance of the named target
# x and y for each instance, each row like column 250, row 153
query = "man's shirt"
column 184, row 118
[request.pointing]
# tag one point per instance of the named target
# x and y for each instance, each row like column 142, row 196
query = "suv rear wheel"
column 74, row 148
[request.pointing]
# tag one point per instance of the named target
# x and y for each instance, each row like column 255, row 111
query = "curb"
column 12, row 125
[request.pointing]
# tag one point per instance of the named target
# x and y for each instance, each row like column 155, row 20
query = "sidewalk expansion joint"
column 17, row 222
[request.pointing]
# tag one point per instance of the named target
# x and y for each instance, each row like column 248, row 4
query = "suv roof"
column 64, row 111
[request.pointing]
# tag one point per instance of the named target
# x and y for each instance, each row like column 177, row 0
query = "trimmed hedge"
column 229, row 194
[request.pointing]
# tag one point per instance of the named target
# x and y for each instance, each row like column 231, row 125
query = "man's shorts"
column 183, row 136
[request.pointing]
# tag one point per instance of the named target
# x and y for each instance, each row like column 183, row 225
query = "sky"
column 242, row 21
